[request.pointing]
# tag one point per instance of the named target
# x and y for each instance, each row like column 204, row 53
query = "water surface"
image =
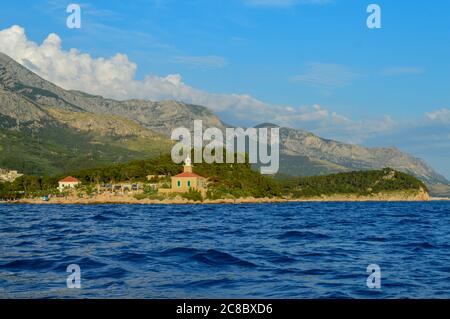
column 292, row 250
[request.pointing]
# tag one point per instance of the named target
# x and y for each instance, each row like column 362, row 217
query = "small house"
column 67, row 183
column 187, row 180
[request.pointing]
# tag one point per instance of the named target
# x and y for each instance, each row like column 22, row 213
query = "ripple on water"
column 37, row 264
column 214, row 257
column 302, row 235
column 292, row 250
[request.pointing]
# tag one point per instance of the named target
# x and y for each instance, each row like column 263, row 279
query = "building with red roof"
column 67, row 183
column 187, row 180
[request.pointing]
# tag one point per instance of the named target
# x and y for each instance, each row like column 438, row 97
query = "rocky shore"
column 128, row 199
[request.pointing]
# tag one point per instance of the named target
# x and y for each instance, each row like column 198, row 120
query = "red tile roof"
column 69, row 179
column 188, row 175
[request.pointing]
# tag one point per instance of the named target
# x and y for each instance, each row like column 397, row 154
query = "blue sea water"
column 292, row 250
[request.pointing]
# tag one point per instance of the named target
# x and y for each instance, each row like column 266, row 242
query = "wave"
column 416, row 246
column 217, row 258
column 29, row 264
column 249, row 251
column 101, row 218
column 374, row 239
column 207, row 283
column 179, row 251
column 294, row 235
column 132, row 257
column 209, row 257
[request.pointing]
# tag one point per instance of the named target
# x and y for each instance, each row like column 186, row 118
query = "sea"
column 285, row 250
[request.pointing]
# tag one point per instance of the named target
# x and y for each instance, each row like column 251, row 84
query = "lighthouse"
column 187, row 168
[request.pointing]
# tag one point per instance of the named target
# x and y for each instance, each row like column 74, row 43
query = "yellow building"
column 181, row 183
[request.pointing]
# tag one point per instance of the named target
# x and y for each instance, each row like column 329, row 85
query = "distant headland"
column 160, row 181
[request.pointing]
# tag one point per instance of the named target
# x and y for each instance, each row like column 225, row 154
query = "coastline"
column 439, row 199
column 127, row 199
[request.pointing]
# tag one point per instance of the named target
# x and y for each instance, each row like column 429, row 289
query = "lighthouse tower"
column 187, row 168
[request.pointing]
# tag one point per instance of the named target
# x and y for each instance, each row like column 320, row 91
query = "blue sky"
column 309, row 64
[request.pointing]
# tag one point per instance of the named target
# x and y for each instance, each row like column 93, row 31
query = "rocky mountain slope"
column 82, row 126
column 16, row 80
column 43, row 130
column 333, row 156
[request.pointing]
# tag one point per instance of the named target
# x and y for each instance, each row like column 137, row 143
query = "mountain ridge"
column 29, row 101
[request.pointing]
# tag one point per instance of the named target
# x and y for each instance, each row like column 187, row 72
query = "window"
column 179, row 183
column 189, row 184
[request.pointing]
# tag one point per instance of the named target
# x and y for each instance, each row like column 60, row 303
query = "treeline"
column 225, row 180
column 28, row 184
column 135, row 171
column 237, row 181
column 359, row 183
column 132, row 171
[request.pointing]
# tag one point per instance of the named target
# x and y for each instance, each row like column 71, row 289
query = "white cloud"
column 111, row 77
column 426, row 137
column 326, row 75
column 114, row 77
column 441, row 116
column 306, row 114
column 356, row 131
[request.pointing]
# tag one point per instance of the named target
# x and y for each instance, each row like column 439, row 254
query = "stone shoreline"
column 108, row 199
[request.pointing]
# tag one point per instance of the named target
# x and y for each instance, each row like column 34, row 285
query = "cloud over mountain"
column 115, row 77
